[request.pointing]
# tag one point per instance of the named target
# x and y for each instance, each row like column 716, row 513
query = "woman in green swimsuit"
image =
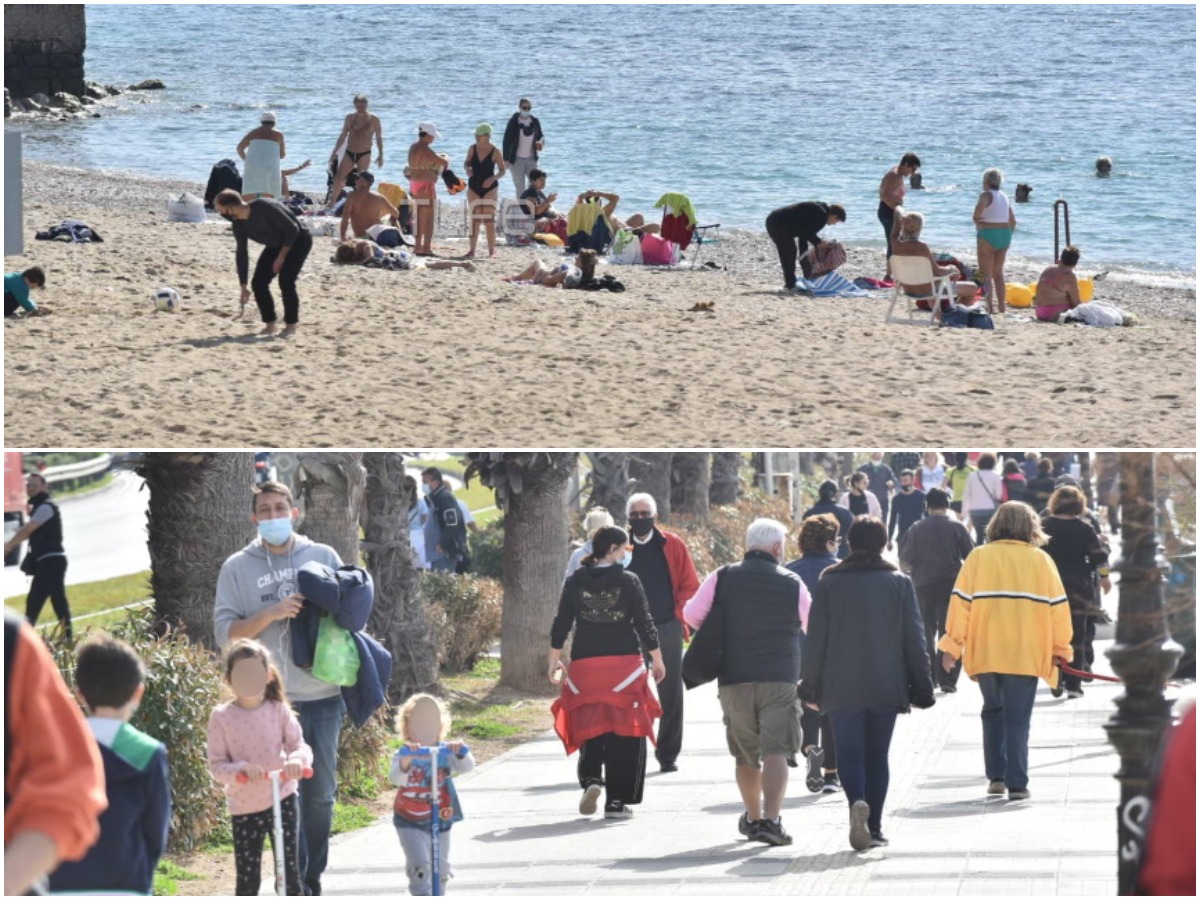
column 994, row 224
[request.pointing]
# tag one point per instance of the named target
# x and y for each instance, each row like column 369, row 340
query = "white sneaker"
column 590, row 799
column 860, row 834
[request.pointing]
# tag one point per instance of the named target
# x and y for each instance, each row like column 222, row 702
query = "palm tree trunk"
column 331, row 486
column 610, row 483
column 651, row 473
column 726, row 485
column 536, row 535
column 399, row 619
column 690, row 482
column 198, row 516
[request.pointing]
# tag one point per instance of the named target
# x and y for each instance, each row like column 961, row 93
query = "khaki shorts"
column 760, row 720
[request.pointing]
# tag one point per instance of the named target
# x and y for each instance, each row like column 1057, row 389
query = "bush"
column 363, row 757
column 721, row 541
column 183, row 684
column 487, row 550
column 464, row 611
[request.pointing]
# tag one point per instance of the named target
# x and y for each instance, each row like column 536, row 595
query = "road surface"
column 104, row 533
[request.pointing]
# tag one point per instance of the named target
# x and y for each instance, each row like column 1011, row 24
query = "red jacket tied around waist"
column 604, row 694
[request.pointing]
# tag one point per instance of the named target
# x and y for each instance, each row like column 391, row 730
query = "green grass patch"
column 351, row 817
column 167, row 877
column 96, row 596
column 487, row 724
column 103, row 481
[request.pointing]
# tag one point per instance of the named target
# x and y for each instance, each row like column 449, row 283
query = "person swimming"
column 1104, row 166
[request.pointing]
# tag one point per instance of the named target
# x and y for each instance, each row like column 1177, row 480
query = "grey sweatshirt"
column 253, row 579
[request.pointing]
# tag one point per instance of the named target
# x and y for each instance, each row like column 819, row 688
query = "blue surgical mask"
column 275, row 531
column 626, row 560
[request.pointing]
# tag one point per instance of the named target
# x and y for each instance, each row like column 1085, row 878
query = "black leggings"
column 887, row 217
column 49, row 582
column 812, row 724
column 617, row 762
column 290, row 271
column 934, row 600
column 10, row 304
column 1084, row 633
column 248, row 833
column 790, row 246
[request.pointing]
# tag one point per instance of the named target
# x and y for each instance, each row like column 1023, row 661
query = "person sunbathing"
column 906, row 241
column 636, row 222
column 362, row 252
column 567, row 274
column 1058, row 288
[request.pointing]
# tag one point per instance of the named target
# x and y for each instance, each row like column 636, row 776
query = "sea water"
column 743, row 108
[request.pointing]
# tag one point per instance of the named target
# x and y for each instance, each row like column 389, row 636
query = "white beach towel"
column 262, row 175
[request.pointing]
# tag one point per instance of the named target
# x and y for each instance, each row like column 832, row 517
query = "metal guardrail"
column 71, row 471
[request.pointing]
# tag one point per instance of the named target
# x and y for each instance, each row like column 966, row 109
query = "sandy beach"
column 431, row 358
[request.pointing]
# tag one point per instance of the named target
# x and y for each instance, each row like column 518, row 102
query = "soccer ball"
column 166, row 299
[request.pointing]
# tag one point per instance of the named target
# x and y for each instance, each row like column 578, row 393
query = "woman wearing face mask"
column 522, row 143
column 606, row 606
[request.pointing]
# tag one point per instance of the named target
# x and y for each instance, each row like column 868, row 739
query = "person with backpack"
column 45, row 560
column 793, row 228
column 445, row 528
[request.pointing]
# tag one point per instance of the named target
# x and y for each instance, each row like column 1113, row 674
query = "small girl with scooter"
column 252, row 736
column 424, row 724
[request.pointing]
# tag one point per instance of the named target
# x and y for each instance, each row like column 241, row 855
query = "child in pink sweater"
column 249, row 736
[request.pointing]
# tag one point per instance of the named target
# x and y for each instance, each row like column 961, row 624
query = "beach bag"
column 626, row 249
column 704, row 656
column 558, row 228
column 659, row 252
column 1097, row 313
column 829, row 256
column 336, row 658
column 188, row 208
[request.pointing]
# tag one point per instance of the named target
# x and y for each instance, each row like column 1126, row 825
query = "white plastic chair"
column 918, row 270
column 515, row 222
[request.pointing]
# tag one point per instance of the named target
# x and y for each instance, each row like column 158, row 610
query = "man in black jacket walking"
column 46, row 560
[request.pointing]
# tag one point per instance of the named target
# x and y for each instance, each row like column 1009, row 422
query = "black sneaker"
column 815, row 780
column 832, row 784
column 949, row 689
column 791, row 761
column 615, row 809
column 668, row 767
column 747, row 827
column 771, row 832
column 878, row 840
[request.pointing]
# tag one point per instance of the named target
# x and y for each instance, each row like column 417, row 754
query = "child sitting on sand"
column 424, row 724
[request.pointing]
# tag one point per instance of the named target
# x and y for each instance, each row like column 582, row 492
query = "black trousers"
column 670, row 692
column 789, row 247
column 49, row 582
column 260, row 283
column 248, row 833
column 887, row 217
column 617, row 762
column 1083, row 627
column 10, row 304
column 934, row 599
column 814, row 725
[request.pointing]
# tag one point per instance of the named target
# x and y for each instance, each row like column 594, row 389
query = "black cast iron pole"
column 1143, row 656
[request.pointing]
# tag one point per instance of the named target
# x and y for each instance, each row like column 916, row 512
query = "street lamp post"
column 1143, row 656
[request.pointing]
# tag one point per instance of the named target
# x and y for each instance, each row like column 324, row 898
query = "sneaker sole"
column 860, row 835
column 591, row 799
column 618, row 815
column 774, row 840
column 815, row 780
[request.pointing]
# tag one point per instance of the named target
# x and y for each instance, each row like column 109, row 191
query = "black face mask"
column 641, row 527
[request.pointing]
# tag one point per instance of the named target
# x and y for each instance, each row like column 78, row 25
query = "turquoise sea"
column 744, row 108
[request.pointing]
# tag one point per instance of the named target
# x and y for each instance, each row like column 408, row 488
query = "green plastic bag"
column 336, row 659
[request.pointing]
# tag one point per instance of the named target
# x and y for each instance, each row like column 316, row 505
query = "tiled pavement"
column 522, row 833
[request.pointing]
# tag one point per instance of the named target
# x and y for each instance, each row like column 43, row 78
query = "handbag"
column 336, row 658
column 28, row 563
column 703, row 658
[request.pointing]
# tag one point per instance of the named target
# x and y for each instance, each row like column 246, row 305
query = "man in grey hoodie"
column 257, row 598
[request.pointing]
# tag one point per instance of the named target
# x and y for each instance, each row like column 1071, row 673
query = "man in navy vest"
column 45, row 560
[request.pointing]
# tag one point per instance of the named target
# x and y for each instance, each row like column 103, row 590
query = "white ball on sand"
column 166, row 299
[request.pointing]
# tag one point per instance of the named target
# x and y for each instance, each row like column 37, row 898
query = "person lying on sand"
column 364, row 208
column 566, row 274
column 1058, row 288
column 636, row 222
column 368, row 253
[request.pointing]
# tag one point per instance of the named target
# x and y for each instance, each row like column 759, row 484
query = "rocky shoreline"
column 63, row 105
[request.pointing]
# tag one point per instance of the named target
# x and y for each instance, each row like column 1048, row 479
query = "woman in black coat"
column 864, row 662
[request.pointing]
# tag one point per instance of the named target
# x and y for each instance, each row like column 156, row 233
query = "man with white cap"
column 264, row 132
column 424, row 167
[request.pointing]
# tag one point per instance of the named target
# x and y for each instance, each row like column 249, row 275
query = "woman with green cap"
column 485, row 166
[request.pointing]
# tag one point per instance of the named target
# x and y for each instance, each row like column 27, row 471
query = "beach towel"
column 1099, row 314
column 679, row 205
column 263, row 174
column 677, row 229
column 830, row 285
column 72, row 230
column 588, row 227
column 186, row 208
column 873, row 284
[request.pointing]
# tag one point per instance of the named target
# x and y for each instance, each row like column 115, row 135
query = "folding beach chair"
column 916, row 270
column 681, row 228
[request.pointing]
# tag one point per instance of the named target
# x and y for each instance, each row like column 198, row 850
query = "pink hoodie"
column 267, row 736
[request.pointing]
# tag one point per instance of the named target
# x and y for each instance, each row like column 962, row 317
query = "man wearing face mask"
column 446, row 526
column 257, row 598
column 908, row 508
column 663, row 564
column 881, row 479
column 522, row 144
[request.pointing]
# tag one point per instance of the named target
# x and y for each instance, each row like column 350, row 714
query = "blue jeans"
column 863, row 737
column 321, row 722
column 1007, row 709
column 980, row 519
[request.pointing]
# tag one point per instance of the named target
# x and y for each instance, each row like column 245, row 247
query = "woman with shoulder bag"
column 982, row 496
column 864, row 662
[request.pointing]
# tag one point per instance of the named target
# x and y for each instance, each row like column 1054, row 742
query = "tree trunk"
column 610, row 483
column 846, row 465
column 331, row 485
column 1085, row 477
column 726, row 486
column 399, row 619
column 651, row 473
column 198, row 516
column 690, row 482
column 536, row 535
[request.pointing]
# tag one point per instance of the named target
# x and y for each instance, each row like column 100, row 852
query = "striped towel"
column 829, row 285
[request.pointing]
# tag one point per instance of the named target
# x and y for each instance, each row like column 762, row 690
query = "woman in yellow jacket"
column 1011, row 625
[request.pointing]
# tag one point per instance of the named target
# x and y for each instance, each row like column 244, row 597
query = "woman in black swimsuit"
column 485, row 166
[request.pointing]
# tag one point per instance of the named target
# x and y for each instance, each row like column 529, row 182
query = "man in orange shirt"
column 53, row 774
